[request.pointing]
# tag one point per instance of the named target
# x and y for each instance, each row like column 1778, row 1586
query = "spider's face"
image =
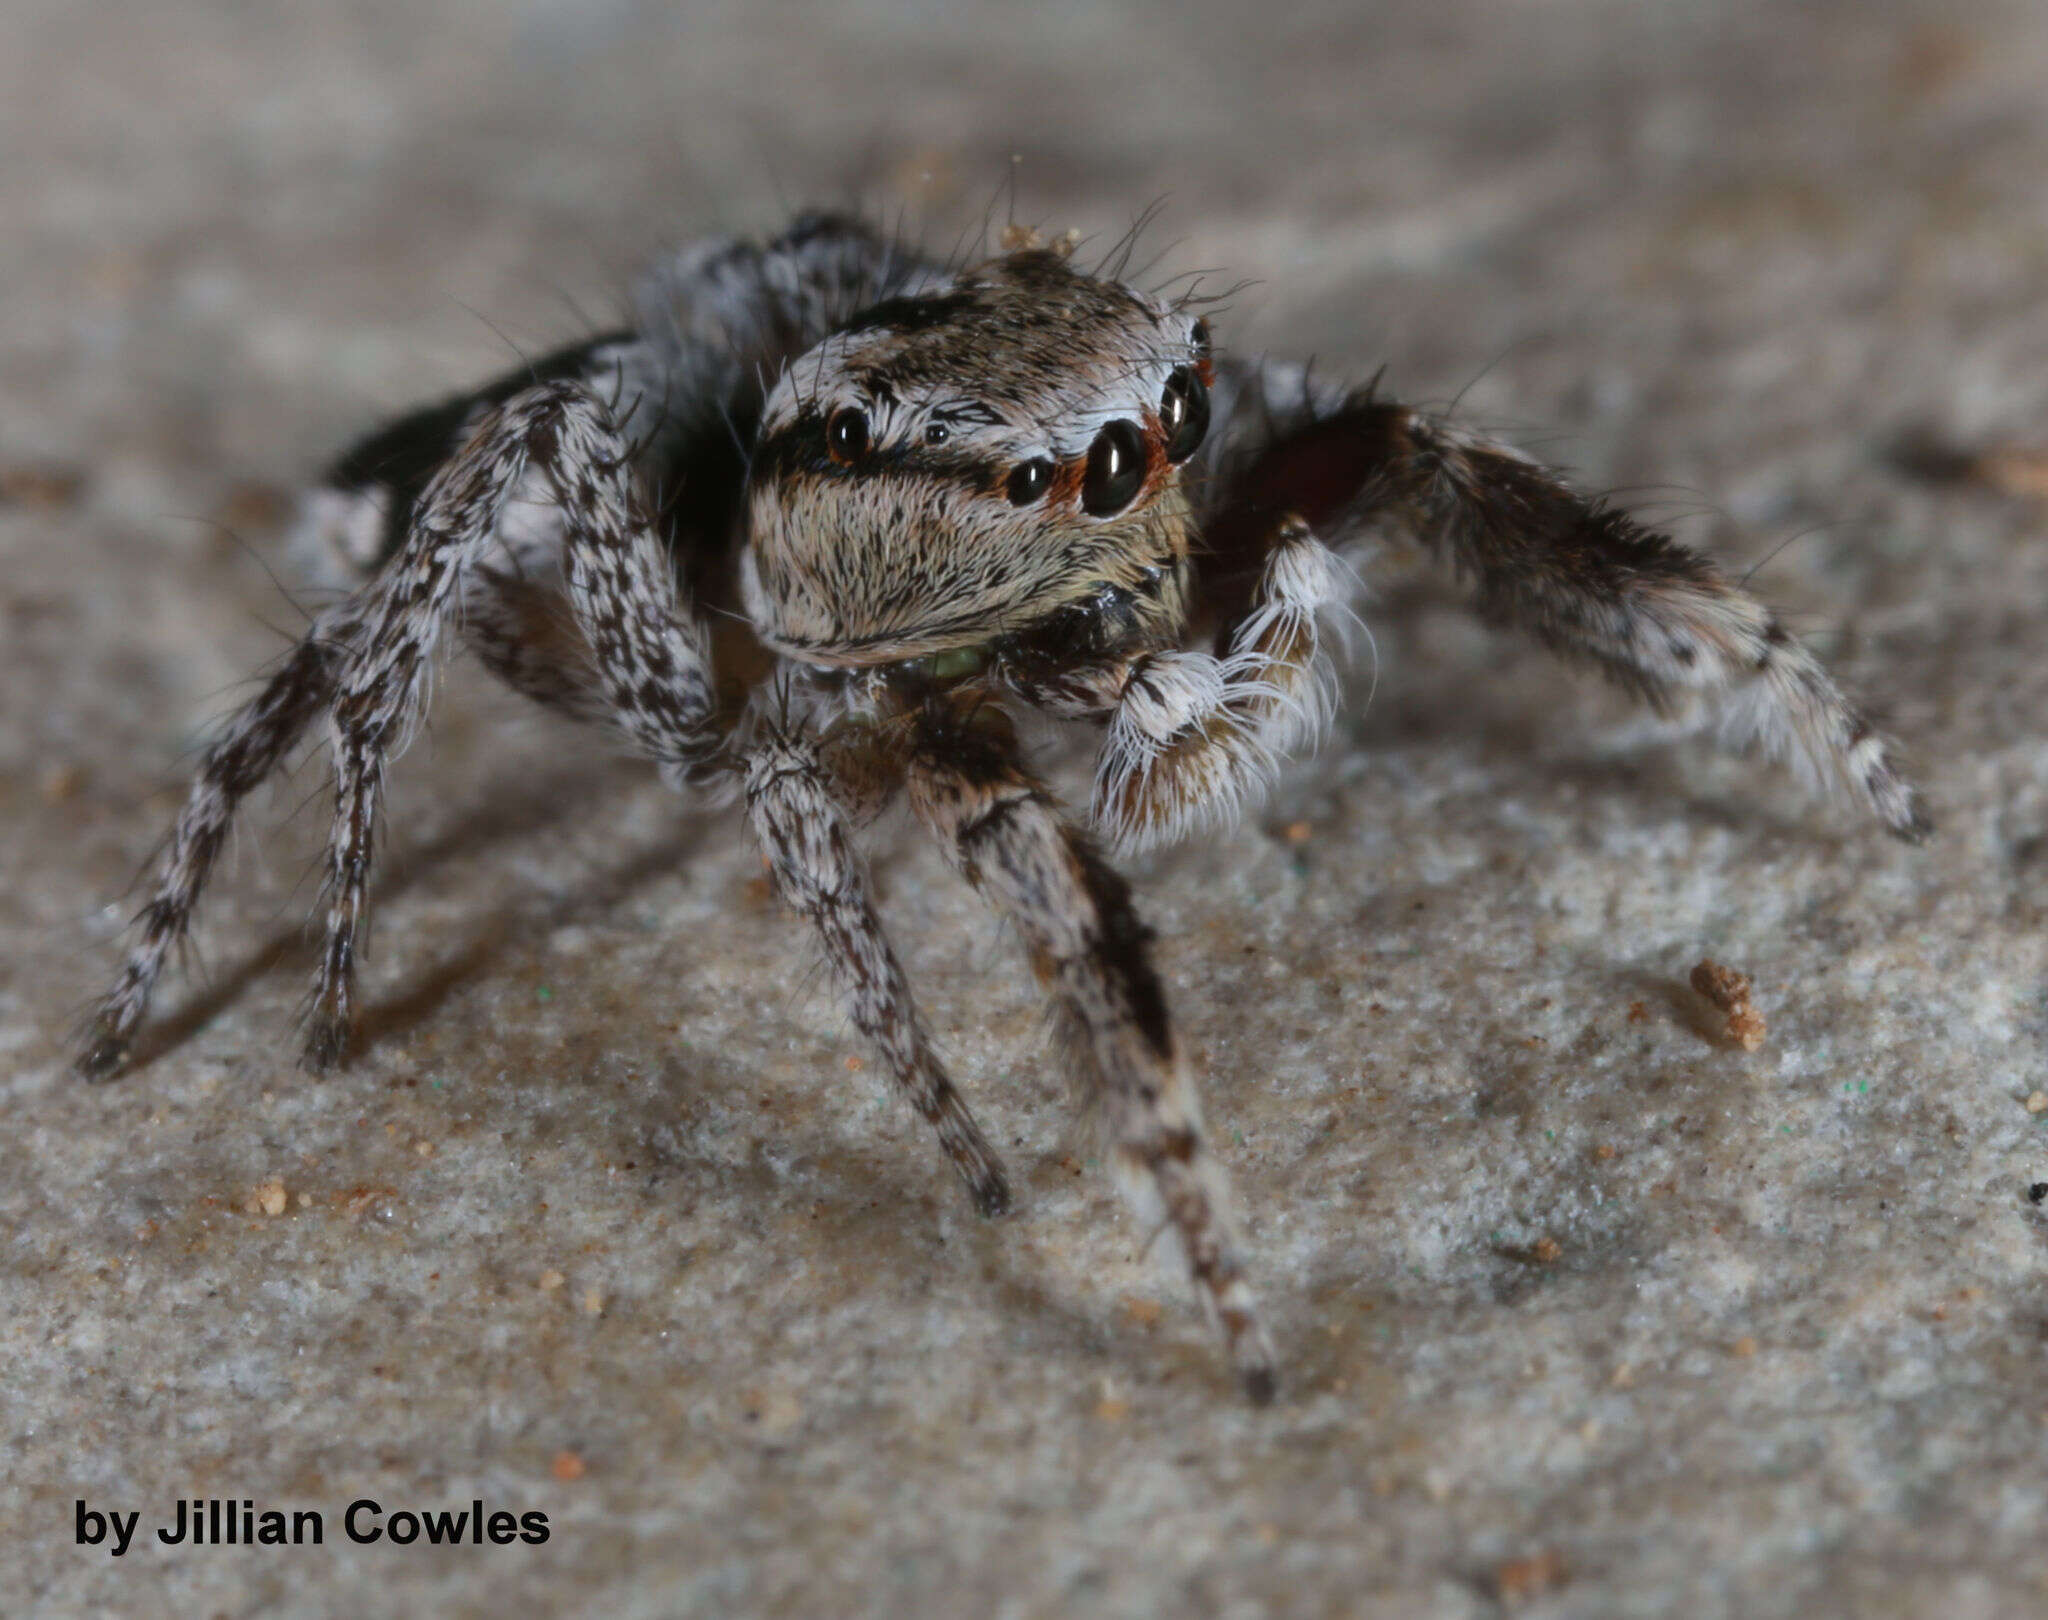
column 953, row 467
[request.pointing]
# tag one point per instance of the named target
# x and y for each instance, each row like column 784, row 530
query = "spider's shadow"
column 890, row 1208
column 599, row 890
column 883, row 1205
column 501, row 818
column 1001, row 1269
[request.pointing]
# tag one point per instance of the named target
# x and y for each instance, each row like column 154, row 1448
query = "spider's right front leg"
column 794, row 801
column 650, row 658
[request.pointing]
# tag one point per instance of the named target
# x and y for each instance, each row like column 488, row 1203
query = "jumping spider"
column 904, row 498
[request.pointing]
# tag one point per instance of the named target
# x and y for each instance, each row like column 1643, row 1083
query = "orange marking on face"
column 1067, row 478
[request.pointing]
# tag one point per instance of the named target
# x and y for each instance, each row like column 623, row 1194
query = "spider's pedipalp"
column 794, row 805
column 1196, row 737
column 1004, row 833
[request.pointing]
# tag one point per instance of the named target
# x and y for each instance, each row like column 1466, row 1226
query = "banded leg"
column 1003, row 832
column 651, row 658
column 252, row 745
column 1586, row 579
column 1194, row 737
column 794, row 804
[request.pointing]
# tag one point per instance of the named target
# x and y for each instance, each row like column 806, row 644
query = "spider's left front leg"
column 1195, row 736
column 1583, row 576
column 1004, row 833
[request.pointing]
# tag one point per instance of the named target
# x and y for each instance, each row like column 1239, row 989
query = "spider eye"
column 846, row 435
column 937, row 433
column 1031, row 480
column 1184, row 413
column 1116, row 469
column 1201, row 338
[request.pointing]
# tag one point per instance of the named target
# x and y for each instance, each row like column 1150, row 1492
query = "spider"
column 816, row 526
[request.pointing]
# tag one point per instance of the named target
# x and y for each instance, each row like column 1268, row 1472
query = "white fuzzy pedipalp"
column 1197, row 740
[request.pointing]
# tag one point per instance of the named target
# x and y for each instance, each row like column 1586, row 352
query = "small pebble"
column 774, row 1411
column 1731, row 992
column 550, row 1280
column 1520, row 1579
column 254, row 506
column 2038, row 1103
column 46, row 485
column 2015, row 470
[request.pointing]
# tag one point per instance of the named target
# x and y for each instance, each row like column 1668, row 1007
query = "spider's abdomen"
column 683, row 383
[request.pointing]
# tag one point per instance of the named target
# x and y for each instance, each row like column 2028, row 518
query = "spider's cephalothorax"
column 947, row 470
column 935, row 496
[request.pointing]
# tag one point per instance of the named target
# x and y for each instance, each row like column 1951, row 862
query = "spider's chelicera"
column 913, row 498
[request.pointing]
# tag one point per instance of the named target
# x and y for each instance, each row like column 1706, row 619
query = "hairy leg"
column 1004, row 833
column 794, row 802
column 252, row 744
column 1588, row 580
column 651, row 659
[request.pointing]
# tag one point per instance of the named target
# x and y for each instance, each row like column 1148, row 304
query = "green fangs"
column 954, row 663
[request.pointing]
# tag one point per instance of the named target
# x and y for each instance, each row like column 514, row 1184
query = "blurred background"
column 1583, row 1314
column 213, row 201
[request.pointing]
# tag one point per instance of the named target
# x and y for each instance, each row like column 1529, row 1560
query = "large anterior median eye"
column 846, row 435
column 1184, row 413
column 1030, row 480
column 1116, row 469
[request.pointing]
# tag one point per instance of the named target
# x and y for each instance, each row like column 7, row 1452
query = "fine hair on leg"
column 794, row 805
column 1004, row 833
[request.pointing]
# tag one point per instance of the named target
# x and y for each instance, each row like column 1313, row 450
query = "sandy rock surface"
column 1585, row 1309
